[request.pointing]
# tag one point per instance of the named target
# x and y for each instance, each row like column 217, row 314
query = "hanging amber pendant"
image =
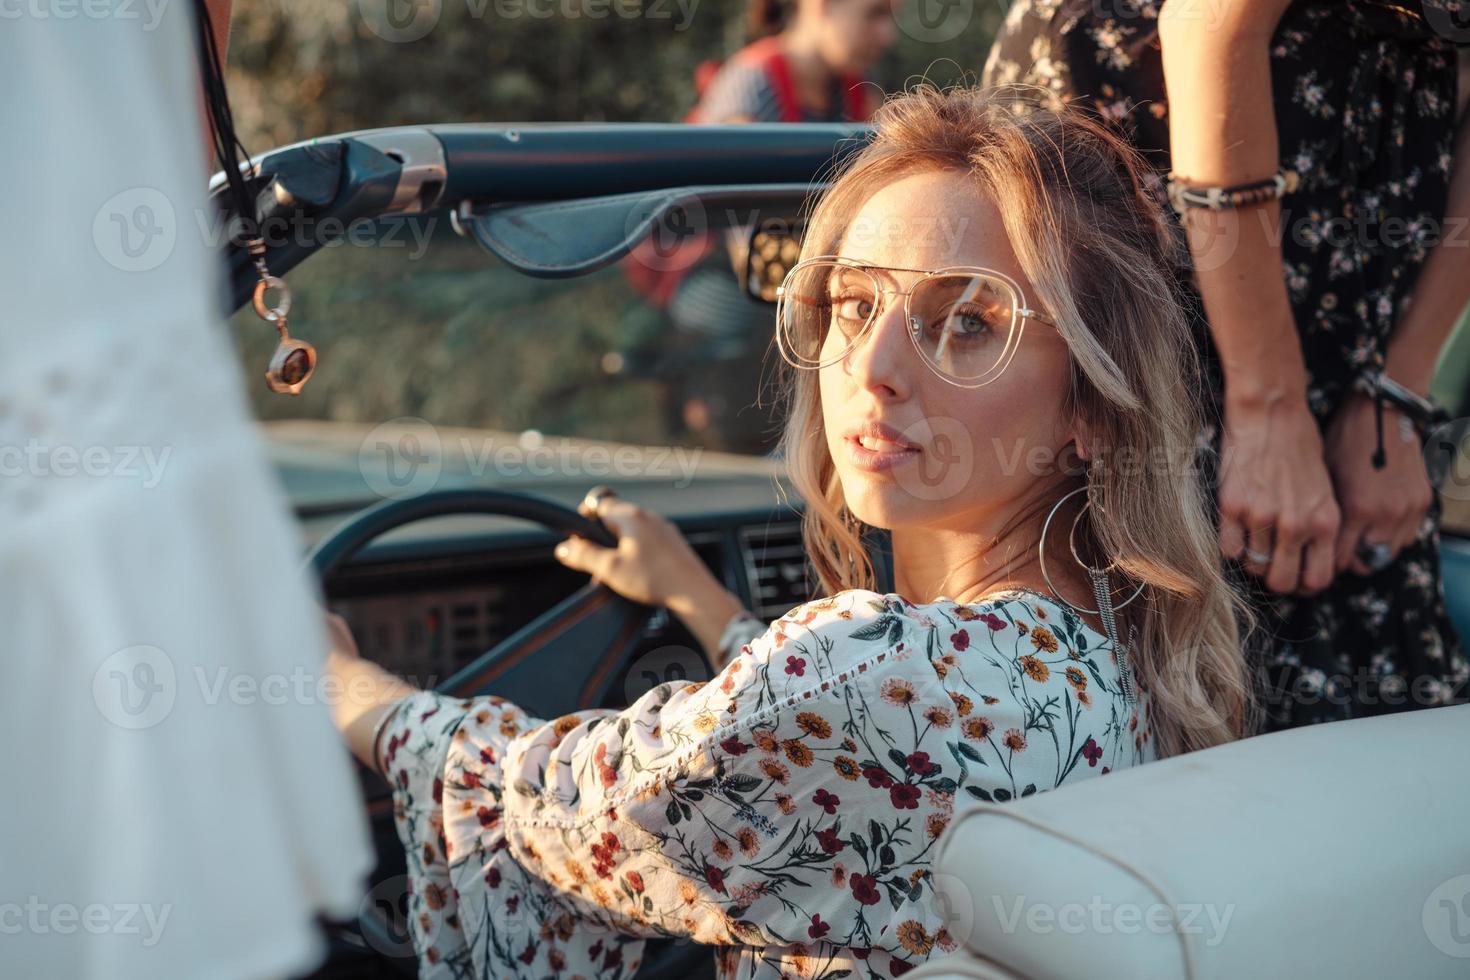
column 294, row 361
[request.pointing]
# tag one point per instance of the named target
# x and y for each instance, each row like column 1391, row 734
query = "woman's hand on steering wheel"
column 653, row 564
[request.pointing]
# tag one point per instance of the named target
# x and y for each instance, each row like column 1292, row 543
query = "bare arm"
column 1277, row 509
column 1222, row 130
column 364, row 692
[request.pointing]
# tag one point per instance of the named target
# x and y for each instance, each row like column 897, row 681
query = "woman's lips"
column 876, row 455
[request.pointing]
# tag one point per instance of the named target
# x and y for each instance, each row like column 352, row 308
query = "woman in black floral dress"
column 1358, row 98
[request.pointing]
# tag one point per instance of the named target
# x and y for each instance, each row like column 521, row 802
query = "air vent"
column 776, row 567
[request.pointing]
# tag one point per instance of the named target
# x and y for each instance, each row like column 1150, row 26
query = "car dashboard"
column 429, row 599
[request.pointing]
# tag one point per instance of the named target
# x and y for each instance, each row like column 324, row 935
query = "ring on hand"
column 1258, row 557
column 1376, row 556
column 595, row 497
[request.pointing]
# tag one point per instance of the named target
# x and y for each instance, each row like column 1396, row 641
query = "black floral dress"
column 1365, row 109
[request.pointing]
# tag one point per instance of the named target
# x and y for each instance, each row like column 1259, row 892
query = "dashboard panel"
column 427, row 616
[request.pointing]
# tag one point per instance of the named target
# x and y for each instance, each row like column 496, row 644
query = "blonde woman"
column 986, row 361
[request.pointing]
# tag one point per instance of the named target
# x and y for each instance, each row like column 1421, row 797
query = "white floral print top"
column 785, row 811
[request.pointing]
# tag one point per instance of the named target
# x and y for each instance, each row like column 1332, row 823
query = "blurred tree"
column 313, row 67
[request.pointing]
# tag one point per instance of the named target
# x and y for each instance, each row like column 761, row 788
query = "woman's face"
column 947, row 457
column 857, row 32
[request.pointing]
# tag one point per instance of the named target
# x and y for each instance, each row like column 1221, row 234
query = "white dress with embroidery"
column 179, row 804
column 785, row 811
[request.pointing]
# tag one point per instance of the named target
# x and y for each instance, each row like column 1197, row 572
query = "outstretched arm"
column 365, row 692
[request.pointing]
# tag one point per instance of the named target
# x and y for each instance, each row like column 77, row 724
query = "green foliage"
column 313, row 67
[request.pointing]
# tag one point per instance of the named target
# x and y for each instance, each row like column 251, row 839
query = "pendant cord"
column 1102, row 591
column 227, row 146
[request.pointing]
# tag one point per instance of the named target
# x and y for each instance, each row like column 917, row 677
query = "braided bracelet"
column 1183, row 197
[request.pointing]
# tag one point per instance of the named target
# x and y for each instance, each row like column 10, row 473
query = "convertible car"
column 526, row 311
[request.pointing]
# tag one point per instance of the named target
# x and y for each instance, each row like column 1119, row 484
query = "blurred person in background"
column 1323, row 125
column 805, row 62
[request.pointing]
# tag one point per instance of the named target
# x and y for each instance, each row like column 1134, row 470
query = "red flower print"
column 488, row 817
column 715, row 877
column 439, row 789
column 635, row 881
column 1105, row 771
column 829, row 840
column 734, row 746
column 960, row 641
column 904, row 796
column 613, row 958
column 919, row 763
column 865, row 889
column 471, row 781
column 1091, row 751
column 528, row 954
column 898, row 967
column 487, row 756
column 818, row 928
column 993, row 621
column 877, row 778
column 827, row 801
column 796, row 665
column 492, row 877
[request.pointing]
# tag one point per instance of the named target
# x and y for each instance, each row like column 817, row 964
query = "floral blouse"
column 785, row 811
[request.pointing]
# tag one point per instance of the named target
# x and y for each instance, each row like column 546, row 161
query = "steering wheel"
column 565, row 660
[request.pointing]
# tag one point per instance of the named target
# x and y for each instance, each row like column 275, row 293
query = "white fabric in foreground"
column 1330, row 851
column 178, row 804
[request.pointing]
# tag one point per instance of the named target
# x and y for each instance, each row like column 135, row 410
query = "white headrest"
column 1339, row 850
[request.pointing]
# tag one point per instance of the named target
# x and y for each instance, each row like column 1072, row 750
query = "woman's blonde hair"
column 1098, row 250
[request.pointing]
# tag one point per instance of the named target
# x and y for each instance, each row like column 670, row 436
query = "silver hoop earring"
column 1101, row 590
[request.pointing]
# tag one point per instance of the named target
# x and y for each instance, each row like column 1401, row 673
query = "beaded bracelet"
column 1183, row 197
